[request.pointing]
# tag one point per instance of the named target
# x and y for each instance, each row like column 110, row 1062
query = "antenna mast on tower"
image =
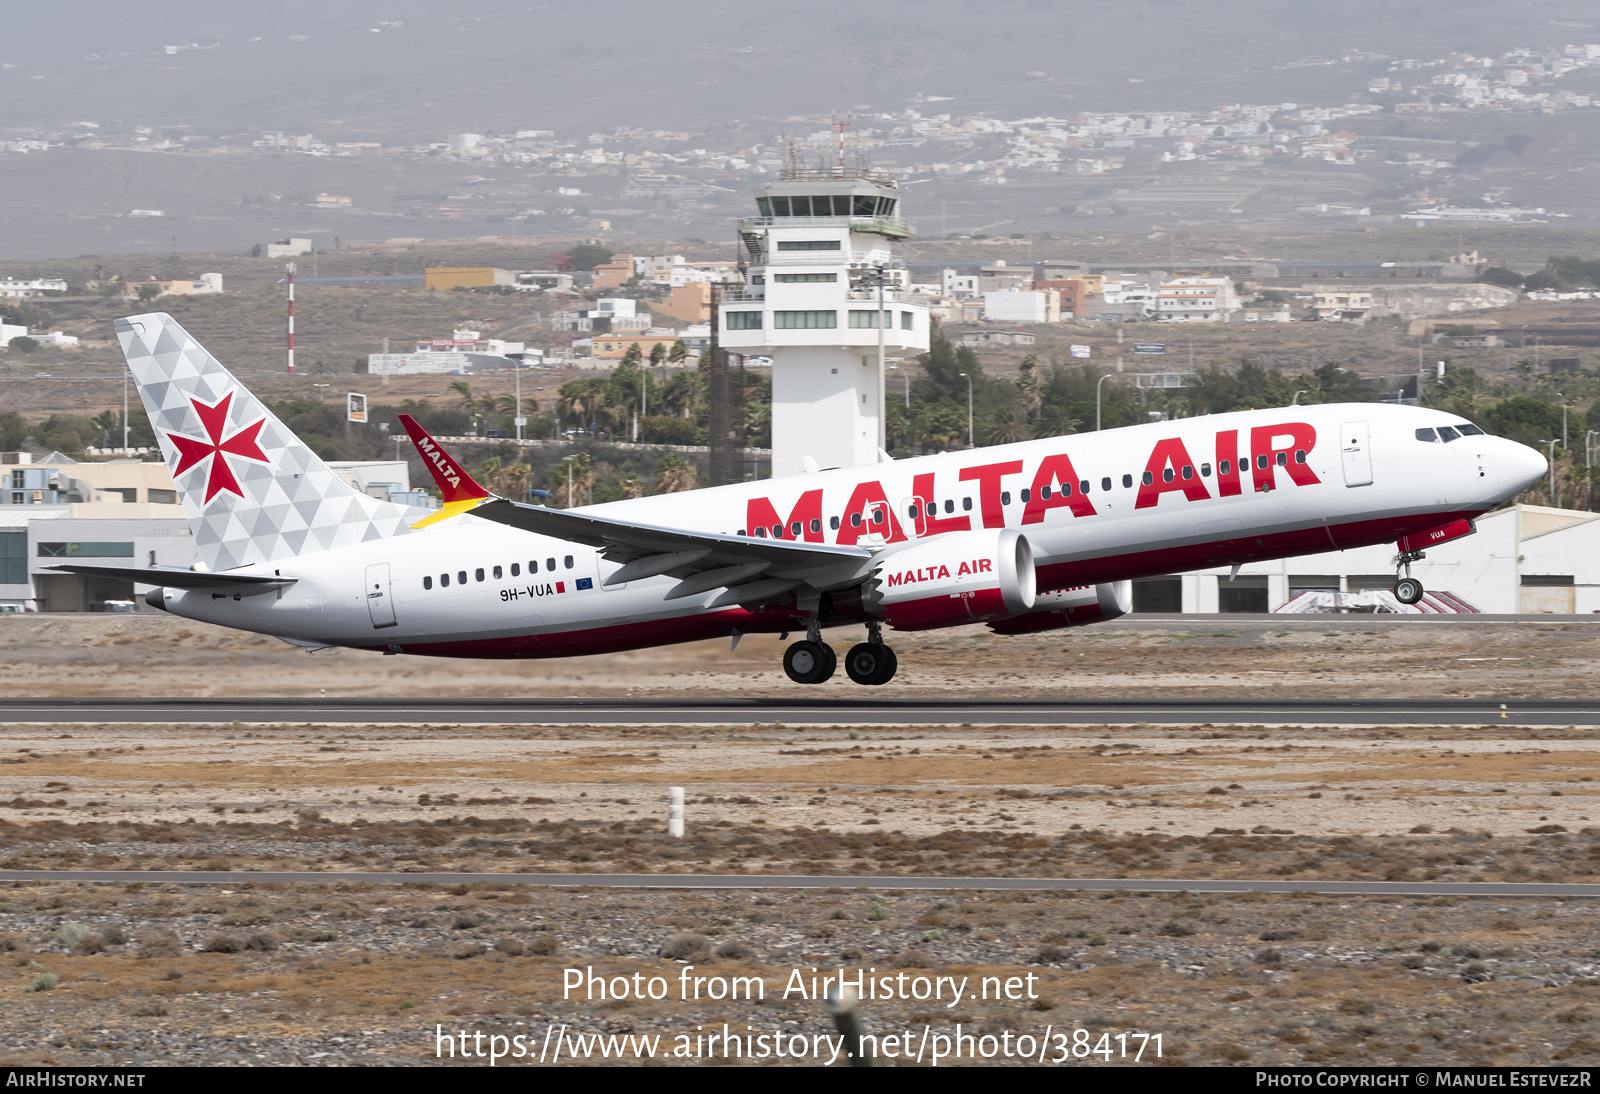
column 841, row 125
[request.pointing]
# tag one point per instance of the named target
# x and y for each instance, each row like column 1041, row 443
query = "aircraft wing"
column 230, row 584
column 752, row 571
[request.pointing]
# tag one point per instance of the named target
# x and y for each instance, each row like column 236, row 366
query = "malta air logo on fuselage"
column 435, row 455
column 940, row 572
column 1226, row 465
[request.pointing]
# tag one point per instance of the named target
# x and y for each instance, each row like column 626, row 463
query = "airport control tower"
column 820, row 259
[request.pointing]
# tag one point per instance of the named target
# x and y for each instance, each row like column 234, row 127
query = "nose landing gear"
column 1407, row 589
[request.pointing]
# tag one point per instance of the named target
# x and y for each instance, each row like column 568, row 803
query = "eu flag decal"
column 583, row 583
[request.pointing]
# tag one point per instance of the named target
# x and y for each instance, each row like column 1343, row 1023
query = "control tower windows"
column 810, row 245
column 805, row 278
column 805, row 320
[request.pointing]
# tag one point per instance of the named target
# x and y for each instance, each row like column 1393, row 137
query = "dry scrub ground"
column 363, row 973
column 152, row 654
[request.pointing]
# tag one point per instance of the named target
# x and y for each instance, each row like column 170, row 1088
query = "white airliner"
column 1022, row 537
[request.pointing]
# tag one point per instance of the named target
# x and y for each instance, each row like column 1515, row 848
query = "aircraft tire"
column 808, row 662
column 869, row 664
column 1408, row 590
column 833, row 662
column 893, row 667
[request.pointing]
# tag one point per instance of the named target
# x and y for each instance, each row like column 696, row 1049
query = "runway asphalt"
column 1493, row 889
column 802, row 711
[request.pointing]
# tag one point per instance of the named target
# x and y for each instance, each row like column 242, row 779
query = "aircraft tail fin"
column 252, row 490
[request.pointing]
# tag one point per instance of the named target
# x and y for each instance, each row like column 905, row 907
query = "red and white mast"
column 290, row 267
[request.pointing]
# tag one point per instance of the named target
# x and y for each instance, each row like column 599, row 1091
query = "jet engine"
column 961, row 577
column 1070, row 608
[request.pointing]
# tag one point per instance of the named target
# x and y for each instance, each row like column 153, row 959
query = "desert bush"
column 543, row 944
column 70, row 934
column 687, row 946
column 512, row 947
column 735, row 950
column 43, row 982
column 148, row 1008
column 223, row 943
column 158, row 943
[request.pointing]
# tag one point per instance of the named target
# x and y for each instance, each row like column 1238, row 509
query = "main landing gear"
column 811, row 661
column 1407, row 589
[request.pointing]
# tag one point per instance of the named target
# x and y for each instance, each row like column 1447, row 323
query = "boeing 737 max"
column 1022, row 537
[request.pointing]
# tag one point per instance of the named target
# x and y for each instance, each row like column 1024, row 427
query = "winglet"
column 458, row 488
column 454, row 482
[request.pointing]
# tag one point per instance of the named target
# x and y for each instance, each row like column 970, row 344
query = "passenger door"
column 379, row 596
column 1355, row 449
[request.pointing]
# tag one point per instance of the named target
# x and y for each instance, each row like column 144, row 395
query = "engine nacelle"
column 1071, row 608
column 960, row 577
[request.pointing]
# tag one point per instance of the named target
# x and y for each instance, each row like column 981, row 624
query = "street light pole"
column 971, row 442
column 1552, row 460
column 883, row 425
column 1097, row 384
column 568, row 461
column 1296, row 400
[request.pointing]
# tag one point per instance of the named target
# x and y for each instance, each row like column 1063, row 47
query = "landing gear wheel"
column 809, row 662
column 1408, row 590
column 870, row 664
column 833, row 662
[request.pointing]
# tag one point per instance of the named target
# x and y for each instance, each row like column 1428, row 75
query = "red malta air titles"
column 1023, row 537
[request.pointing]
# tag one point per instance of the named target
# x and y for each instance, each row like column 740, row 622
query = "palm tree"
column 633, row 356
column 674, row 476
column 678, row 353
column 464, row 389
column 658, row 354
column 1007, row 428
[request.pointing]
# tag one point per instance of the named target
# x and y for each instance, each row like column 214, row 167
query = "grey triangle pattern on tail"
column 288, row 503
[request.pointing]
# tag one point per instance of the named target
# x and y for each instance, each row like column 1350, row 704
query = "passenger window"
column 516, row 569
column 1427, row 435
column 1299, row 455
column 1147, row 479
column 1261, row 462
column 795, row 529
column 1283, row 459
column 833, row 522
column 1446, row 434
column 1205, row 471
column 966, row 505
column 478, row 573
column 461, row 577
column 877, row 516
column 1066, row 490
column 1166, row 474
column 444, row 581
column 912, row 511
column 1105, row 484
column 497, row 574
column 777, row 531
column 1127, row 482
column 549, row 564
column 1005, row 497
column 427, row 582
column 949, row 506
column 1025, row 494
column 816, row 525
column 567, row 562
column 1188, row 471
column 1225, row 467
column 1083, row 487
column 1045, row 492
column 760, row 532
column 855, row 520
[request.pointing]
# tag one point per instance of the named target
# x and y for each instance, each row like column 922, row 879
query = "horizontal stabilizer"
column 172, row 578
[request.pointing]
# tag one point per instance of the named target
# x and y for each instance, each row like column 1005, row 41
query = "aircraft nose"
column 1520, row 467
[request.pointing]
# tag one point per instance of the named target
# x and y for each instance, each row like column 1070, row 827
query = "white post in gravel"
column 675, row 812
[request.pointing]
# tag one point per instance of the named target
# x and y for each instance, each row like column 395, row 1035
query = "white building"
column 1523, row 559
column 288, row 248
column 8, row 331
column 820, row 255
column 36, row 286
column 1196, row 300
column 1022, row 306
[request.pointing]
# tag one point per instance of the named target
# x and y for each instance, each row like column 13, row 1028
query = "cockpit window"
column 1427, row 435
column 1446, row 434
column 1469, row 430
